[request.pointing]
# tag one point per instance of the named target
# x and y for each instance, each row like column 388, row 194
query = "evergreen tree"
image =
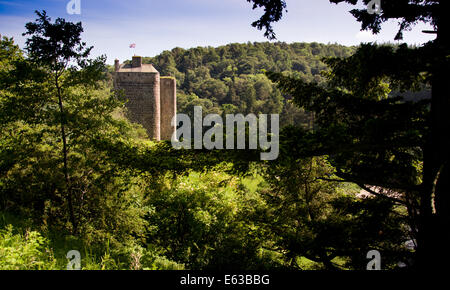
column 403, row 67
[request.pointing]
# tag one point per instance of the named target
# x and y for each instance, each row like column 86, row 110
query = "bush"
column 27, row 251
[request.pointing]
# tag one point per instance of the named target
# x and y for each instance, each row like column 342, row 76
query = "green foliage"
column 110, row 168
column 75, row 174
column 318, row 222
column 230, row 79
column 204, row 221
column 27, row 251
column 423, row 182
column 80, row 188
column 371, row 137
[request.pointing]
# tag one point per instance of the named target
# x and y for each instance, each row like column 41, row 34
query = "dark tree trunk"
column 65, row 153
column 434, row 226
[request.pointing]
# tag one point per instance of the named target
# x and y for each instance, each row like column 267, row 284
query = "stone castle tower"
column 152, row 100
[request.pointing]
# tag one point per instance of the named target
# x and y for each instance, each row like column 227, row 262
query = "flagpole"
column 133, row 45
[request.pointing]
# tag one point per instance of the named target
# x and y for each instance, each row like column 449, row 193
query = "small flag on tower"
column 133, row 45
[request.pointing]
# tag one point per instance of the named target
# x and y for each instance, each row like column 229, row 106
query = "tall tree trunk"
column 66, row 168
column 434, row 231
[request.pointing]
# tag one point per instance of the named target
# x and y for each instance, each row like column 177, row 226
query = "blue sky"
column 155, row 25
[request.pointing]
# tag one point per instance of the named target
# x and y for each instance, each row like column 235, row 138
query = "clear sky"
column 158, row 25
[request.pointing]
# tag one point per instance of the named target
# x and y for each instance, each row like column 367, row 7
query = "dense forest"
column 75, row 174
column 231, row 79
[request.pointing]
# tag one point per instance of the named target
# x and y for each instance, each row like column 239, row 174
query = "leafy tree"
column 202, row 221
column 73, row 189
column 309, row 217
column 186, row 104
column 403, row 68
column 53, row 47
column 212, row 89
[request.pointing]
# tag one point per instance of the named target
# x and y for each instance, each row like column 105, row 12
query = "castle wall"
column 168, row 106
column 142, row 90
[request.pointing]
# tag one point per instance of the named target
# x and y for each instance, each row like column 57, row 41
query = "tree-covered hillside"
column 230, row 78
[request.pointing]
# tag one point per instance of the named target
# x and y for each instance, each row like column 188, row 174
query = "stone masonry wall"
column 168, row 106
column 142, row 90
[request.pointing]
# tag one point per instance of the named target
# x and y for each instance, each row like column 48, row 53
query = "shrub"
column 27, row 251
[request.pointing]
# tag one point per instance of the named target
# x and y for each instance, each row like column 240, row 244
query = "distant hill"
column 230, row 79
